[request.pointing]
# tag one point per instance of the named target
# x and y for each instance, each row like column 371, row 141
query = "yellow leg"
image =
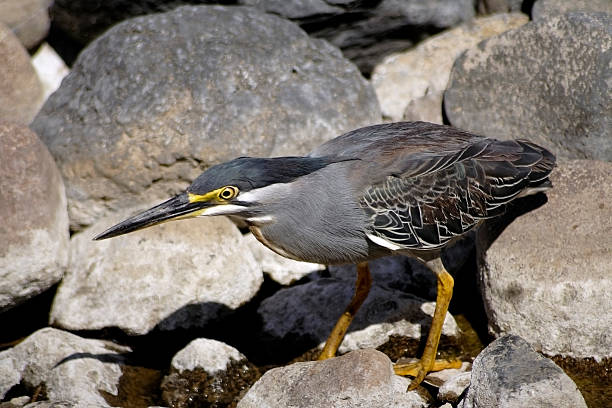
column 362, row 288
column 428, row 361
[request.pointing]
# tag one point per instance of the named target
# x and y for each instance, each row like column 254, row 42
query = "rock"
column 20, row 90
column 282, row 270
column 72, row 369
column 427, row 108
column 207, row 373
column 28, row 19
column 175, row 275
column 187, row 89
column 424, row 70
column 508, row 373
column 367, row 31
column 50, row 68
column 501, row 6
column 309, row 311
column 562, row 103
column 554, row 8
column 361, row 378
column 452, row 389
column 548, row 276
column 34, row 230
column 211, row 355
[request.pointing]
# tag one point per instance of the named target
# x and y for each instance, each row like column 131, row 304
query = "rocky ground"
column 198, row 313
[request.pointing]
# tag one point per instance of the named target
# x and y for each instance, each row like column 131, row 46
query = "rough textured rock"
column 508, row 373
column 282, row 270
column 73, row 369
column 362, row 378
column 28, row 19
column 424, row 70
column 183, row 90
column 562, row 102
column 20, row 90
column 548, row 276
column 176, row 275
column 308, row 312
column 367, row 31
column 50, row 69
column 452, row 389
column 34, row 230
column 554, row 8
column 207, row 373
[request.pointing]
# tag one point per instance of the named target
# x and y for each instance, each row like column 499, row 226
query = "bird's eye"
column 227, row 193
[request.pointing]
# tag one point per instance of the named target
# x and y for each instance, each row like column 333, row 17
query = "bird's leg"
column 428, row 361
column 362, row 288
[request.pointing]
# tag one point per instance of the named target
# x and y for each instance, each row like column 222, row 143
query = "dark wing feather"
column 434, row 195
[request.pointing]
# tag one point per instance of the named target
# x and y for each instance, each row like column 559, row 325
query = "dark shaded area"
column 594, row 380
column 139, row 387
column 24, row 319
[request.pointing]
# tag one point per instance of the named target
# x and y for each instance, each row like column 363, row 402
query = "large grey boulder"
column 34, row 226
column 404, row 78
column 176, row 275
column 509, row 374
column 552, row 8
column 72, row 369
column 183, row 90
column 360, row 379
column 548, row 276
column 21, row 94
column 548, row 81
column 309, row 311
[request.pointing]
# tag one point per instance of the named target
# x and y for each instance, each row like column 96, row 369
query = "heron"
column 409, row 188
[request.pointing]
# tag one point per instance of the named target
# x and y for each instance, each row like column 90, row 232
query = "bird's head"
column 235, row 188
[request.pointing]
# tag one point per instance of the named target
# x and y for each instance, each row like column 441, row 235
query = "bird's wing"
column 433, row 196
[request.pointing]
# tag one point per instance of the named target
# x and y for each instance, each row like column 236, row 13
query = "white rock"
column 50, row 68
column 178, row 274
column 211, row 355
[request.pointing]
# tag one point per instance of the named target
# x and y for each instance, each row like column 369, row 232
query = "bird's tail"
column 540, row 168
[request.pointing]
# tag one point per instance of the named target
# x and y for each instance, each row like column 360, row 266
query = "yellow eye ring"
column 227, row 193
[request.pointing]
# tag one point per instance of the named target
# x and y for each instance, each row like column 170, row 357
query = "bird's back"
column 424, row 184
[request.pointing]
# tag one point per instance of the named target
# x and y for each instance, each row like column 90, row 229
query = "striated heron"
column 400, row 188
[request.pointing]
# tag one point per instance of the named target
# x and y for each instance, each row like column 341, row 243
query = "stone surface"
column 308, row 312
column 186, row 89
column 362, row 378
column 508, row 373
column 427, row 108
column 207, row 373
column 50, row 68
column 73, row 369
column 554, row 8
column 454, row 387
column 176, row 275
column 424, row 70
column 548, row 81
column 34, row 230
column 280, row 269
column 211, row 355
column 548, row 276
column 500, row 6
column 20, row 90
column 367, row 31
column 28, row 19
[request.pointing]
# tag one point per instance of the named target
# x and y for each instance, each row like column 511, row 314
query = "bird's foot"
column 419, row 369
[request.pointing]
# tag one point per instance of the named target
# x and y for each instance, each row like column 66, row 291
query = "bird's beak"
column 181, row 206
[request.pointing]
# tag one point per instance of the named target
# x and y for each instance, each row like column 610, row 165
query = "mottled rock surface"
column 508, row 373
column 34, row 230
column 21, row 94
column 554, row 8
column 176, row 275
column 28, row 19
column 548, row 276
column 362, row 379
column 186, row 89
column 548, row 81
column 73, row 370
column 401, row 79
